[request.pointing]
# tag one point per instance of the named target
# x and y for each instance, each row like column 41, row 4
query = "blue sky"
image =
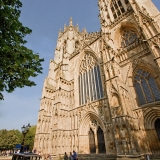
column 45, row 18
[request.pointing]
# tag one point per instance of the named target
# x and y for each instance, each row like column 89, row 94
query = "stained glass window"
column 146, row 87
column 90, row 83
column 117, row 8
column 128, row 37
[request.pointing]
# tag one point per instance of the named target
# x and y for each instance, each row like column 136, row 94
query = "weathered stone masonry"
column 102, row 92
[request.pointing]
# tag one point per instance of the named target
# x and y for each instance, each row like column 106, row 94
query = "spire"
column 64, row 27
column 60, row 32
column 70, row 22
column 84, row 30
column 77, row 27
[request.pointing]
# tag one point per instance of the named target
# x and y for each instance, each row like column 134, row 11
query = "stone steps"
column 96, row 157
column 105, row 157
column 89, row 157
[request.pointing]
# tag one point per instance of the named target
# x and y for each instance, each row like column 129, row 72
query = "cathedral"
column 102, row 92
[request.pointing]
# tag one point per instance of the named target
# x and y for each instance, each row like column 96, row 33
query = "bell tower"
column 141, row 14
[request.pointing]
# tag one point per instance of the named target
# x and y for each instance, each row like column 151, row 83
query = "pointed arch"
column 128, row 37
column 89, row 116
column 146, row 87
column 150, row 71
column 82, row 55
column 150, row 115
column 76, row 71
column 88, row 129
column 125, row 25
column 89, row 79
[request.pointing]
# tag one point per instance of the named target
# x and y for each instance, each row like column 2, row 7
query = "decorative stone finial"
column 77, row 27
column 84, row 30
column 70, row 22
column 64, row 27
column 60, row 32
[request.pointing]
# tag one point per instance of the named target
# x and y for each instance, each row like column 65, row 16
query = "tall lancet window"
column 117, row 8
column 90, row 83
column 146, row 87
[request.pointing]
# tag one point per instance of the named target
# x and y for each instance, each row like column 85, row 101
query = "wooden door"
column 101, row 141
column 92, row 145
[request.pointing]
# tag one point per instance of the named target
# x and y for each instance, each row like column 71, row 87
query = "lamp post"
column 25, row 130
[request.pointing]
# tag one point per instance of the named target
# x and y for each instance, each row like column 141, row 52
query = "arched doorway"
column 92, row 145
column 101, row 141
column 88, row 139
column 157, row 127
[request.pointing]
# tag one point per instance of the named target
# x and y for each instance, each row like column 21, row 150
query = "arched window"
column 117, row 8
column 157, row 127
column 90, row 83
column 128, row 37
column 146, row 87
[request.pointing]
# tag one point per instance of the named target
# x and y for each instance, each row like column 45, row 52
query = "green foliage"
column 29, row 140
column 17, row 62
column 8, row 139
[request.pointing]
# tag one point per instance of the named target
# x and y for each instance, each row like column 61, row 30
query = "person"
column 65, row 156
column 70, row 157
column 15, row 151
column 75, row 155
column 49, row 157
column 39, row 153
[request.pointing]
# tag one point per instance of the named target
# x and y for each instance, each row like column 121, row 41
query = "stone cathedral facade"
column 102, row 92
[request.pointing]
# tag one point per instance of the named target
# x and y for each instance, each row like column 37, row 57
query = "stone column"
column 133, row 147
column 76, row 121
column 117, row 142
column 125, row 151
column 96, row 140
column 117, row 146
column 75, row 143
column 105, row 139
column 123, row 138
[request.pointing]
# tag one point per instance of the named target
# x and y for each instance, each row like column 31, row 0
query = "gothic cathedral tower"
column 102, row 92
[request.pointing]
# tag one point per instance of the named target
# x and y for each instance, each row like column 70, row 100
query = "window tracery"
column 146, row 87
column 117, row 8
column 90, row 83
column 128, row 37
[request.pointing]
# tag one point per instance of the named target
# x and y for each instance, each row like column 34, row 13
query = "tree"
column 17, row 62
column 29, row 140
column 8, row 139
column 14, row 137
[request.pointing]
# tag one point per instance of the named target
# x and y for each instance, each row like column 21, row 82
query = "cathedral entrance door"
column 92, row 145
column 101, row 141
column 157, row 127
